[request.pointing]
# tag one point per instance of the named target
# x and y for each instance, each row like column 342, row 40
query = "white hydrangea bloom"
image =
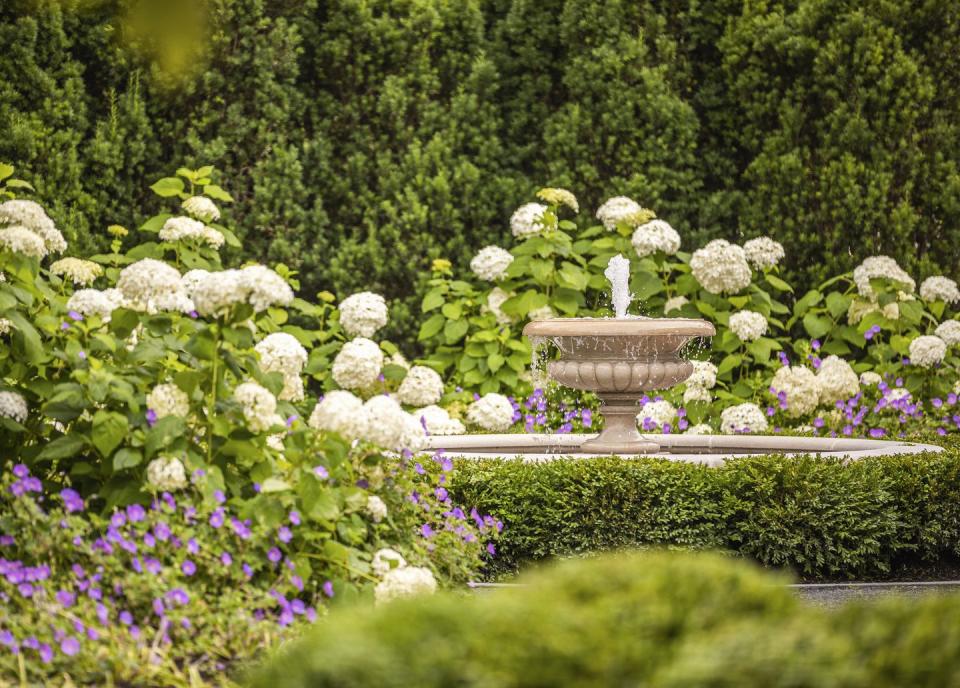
column 801, row 387
column 95, row 302
column 259, row 406
column 202, row 208
column 421, row 387
column 404, row 582
column 376, row 508
column 763, row 252
column 528, row 220
column 184, row 228
column 876, row 267
column 215, row 293
column 555, row 196
column 363, row 314
column 899, row 393
column 742, row 418
column 675, row 304
column 695, row 393
column 166, row 473
column 358, row 364
column 949, row 331
column 699, row 429
column 721, row 267
column 660, row 412
column 80, row 272
column 491, row 263
column 33, row 217
column 837, row 380
column 542, row 313
column 616, row 210
column 927, row 351
column 17, row 239
column 280, row 352
column 13, row 406
column 390, row 427
column 168, row 400
column 438, row 421
column 654, row 236
column 939, row 288
column 495, row 299
column 177, row 301
column 264, row 288
column 149, row 284
column 748, row 325
column 492, row 412
column 704, row 374
column 5, row 326
column 341, row 412
column 870, row 379
column 386, row 560
column 191, row 279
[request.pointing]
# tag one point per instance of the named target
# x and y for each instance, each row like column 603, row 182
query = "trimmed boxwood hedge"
column 666, row 620
column 823, row 518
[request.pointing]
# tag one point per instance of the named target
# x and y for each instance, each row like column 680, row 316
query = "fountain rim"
column 619, row 327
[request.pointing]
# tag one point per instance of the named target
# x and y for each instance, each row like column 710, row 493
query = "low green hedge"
column 666, row 620
column 819, row 517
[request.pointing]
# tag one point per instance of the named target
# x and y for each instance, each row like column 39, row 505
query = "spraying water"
column 618, row 273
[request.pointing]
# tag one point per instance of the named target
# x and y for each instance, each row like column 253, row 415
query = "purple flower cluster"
column 538, row 416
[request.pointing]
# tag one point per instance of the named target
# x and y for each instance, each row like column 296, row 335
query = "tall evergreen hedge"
column 362, row 138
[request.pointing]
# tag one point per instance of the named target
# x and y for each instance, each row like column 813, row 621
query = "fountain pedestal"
column 619, row 359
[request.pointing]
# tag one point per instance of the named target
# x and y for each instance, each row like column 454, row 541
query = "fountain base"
column 620, row 435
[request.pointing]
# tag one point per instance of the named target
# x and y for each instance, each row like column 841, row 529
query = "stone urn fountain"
column 619, row 359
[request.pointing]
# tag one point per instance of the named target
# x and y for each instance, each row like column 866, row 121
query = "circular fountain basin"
column 709, row 450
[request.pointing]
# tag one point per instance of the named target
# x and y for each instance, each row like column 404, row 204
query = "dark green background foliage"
column 363, row 138
column 818, row 517
column 662, row 620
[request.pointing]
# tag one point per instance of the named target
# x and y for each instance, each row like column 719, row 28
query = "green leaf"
column 454, row 330
column 434, row 299
column 124, row 321
column 63, row 447
column 25, row 333
column 453, row 310
column 203, row 345
column 168, row 186
column 217, row 193
column 729, row 362
column 816, row 325
column 19, row 184
column 837, row 303
column 5, row 170
column 164, row 433
column 274, row 485
column 431, row 327
column 126, row 458
column 778, row 283
column 495, row 361
column 109, row 429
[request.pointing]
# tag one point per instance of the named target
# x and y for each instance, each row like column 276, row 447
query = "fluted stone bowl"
column 619, row 359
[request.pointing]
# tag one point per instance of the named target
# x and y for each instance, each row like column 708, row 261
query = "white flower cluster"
column 280, row 352
column 939, row 288
column 438, row 421
column 17, row 239
column 721, row 267
column 619, row 209
column 404, row 582
column 421, row 387
column 491, row 263
column 386, row 560
column 542, row 313
column 358, row 364
column 363, row 314
column 701, row 381
column 166, row 473
column 949, row 331
column 202, row 208
column 555, row 196
column 80, row 272
column 876, row 267
column 748, row 325
column 13, row 406
column 376, row 508
column 495, row 299
column 801, row 387
column 654, row 236
column 95, row 302
column 216, row 292
column 763, row 252
column 492, row 412
column 390, row 427
column 742, row 418
column 30, row 216
column 528, row 220
column 151, row 285
column 341, row 412
column 870, row 379
column 927, row 351
column 837, row 380
column 659, row 412
column 259, row 406
column 699, row 429
column 859, row 308
column 187, row 229
column 168, row 400
column 675, row 303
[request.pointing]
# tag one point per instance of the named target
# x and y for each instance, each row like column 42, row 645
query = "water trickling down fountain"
column 620, row 359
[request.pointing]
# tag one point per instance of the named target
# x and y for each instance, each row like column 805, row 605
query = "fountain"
column 621, row 358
